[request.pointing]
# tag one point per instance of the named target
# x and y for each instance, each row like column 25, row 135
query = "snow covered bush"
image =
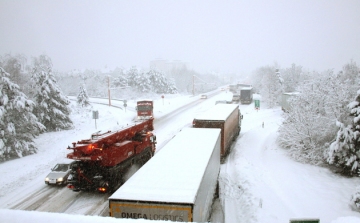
column 304, row 135
column 310, row 125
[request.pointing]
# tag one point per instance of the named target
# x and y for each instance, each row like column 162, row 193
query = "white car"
column 59, row 174
column 203, row 96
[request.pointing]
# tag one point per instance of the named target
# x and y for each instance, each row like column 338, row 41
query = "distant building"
column 165, row 65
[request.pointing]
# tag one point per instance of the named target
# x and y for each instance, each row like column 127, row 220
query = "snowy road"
column 25, row 189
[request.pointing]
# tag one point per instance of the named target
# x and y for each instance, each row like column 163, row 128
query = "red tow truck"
column 102, row 160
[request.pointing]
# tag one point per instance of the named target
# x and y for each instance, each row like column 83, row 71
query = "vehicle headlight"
column 60, row 179
column 47, row 179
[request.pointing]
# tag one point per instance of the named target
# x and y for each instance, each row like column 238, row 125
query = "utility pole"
column 109, row 90
column 193, row 87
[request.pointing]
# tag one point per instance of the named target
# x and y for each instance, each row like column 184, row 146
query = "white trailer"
column 177, row 184
column 285, row 97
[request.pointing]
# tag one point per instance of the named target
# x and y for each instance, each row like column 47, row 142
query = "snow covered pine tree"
column 83, row 98
column 345, row 150
column 51, row 106
column 18, row 125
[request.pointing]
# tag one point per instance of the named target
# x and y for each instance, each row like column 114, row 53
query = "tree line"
column 32, row 101
column 322, row 125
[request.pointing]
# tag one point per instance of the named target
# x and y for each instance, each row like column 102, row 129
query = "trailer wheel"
column 216, row 194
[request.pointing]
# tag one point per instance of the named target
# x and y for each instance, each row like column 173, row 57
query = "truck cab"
column 236, row 97
column 145, row 109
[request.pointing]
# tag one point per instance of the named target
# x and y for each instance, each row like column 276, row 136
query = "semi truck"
column 102, row 161
column 145, row 109
column 226, row 117
column 246, row 95
column 178, row 184
column 236, row 97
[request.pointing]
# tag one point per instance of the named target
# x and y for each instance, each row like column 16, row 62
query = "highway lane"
column 62, row 200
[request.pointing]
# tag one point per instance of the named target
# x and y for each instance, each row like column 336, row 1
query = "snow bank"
column 17, row 216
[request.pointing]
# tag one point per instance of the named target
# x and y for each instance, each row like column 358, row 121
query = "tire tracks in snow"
column 35, row 200
column 241, row 176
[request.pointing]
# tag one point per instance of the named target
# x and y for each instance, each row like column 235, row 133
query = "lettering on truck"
column 152, row 217
column 144, row 103
column 151, row 211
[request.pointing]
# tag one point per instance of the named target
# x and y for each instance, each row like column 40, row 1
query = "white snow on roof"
column 292, row 93
column 246, row 88
column 218, row 112
column 145, row 99
column 174, row 174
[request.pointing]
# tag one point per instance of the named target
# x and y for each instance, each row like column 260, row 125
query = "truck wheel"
column 146, row 157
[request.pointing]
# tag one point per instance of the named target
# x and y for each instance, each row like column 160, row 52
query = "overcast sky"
column 227, row 36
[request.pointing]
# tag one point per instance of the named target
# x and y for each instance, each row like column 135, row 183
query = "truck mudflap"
column 151, row 211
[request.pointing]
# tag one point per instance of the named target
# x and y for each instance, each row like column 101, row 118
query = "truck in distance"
column 246, row 95
column 145, row 109
column 177, row 184
column 236, row 97
column 226, row 117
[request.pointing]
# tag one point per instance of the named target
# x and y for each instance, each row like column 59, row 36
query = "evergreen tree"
column 269, row 82
column 143, row 83
column 51, row 106
column 120, row 82
column 160, row 84
column 15, row 67
column 83, row 98
column 345, row 150
column 138, row 80
column 18, row 125
column 132, row 76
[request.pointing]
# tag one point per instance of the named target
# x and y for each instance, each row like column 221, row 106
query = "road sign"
column 257, row 104
column 95, row 114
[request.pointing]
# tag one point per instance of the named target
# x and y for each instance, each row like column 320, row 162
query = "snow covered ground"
column 258, row 182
